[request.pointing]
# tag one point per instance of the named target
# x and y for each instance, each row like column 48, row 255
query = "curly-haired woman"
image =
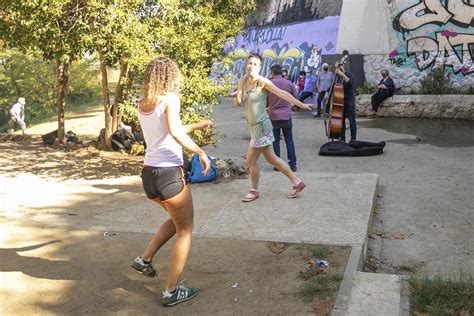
column 163, row 175
column 252, row 93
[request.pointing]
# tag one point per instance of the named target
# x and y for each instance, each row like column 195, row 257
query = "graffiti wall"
column 296, row 47
column 428, row 34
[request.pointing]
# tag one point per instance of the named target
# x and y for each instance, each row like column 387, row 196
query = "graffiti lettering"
column 449, row 47
column 398, row 61
column 441, row 52
column 294, row 46
column 462, row 11
column 264, row 36
column 434, row 12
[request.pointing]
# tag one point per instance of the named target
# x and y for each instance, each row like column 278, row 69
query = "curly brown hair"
column 161, row 76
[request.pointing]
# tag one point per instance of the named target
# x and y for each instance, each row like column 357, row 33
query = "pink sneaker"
column 296, row 190
column 252, row 195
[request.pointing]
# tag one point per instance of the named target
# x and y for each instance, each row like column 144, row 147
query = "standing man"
column 17, row 114
column 323, row 85
column 349, row 102
column 279, row 111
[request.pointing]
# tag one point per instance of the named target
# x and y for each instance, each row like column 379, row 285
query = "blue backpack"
column 196, row 176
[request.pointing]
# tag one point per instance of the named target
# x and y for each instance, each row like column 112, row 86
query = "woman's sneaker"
column 181, row 294
column 146, row 269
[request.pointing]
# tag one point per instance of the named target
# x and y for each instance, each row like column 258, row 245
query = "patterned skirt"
column 263, row 141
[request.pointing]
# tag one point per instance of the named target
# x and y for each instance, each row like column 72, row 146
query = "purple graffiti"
column 448, row 33
column 289, row 45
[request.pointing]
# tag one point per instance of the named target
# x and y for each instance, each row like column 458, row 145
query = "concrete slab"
column 375, row 294
column 334, row 209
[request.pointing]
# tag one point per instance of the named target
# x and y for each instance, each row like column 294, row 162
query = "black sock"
column 146, row 262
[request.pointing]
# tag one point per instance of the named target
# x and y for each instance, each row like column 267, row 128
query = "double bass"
column 336, row 106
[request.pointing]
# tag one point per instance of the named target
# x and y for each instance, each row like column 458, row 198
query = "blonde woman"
column 163, row 175
column 252, row 94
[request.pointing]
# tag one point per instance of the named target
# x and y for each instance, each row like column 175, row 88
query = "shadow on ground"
column 436, row 132
column 29, row 155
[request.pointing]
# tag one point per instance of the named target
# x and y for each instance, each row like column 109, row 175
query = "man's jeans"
column 350, row 113
column 287, row 127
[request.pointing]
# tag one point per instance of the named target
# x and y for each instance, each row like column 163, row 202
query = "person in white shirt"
column 17, row 114
column 163, row 175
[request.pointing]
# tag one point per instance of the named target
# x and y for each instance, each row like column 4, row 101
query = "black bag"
column 50, row 138
column 355, row 148
column 122, row 140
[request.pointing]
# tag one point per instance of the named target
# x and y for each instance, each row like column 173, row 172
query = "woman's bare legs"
column 164, row 233
column 281, row 165
column 252, row 157
column 181, row 210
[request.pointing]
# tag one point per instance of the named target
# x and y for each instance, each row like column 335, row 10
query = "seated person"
column 386, row 88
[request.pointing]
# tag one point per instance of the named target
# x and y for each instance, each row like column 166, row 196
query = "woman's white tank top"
column 162, row 149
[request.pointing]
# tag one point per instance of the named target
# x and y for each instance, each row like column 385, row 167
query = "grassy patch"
column 320, row 284
column 443, row 296
column 70, row 110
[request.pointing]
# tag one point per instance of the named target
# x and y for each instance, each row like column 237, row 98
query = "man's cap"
column 325, row 65
column 21, row 101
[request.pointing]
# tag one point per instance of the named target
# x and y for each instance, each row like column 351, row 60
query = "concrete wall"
column 410, row 38
column 294, row 46
column 278, row 12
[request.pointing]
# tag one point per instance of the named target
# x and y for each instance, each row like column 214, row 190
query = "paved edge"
column 354, row 263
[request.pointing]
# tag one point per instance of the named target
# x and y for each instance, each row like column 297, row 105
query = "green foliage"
column 55, row 28
column 440, row 296
column 365, row 88
column 33, row 78
column 84, row 82
column 28, row 77
column 436, row 82
column 193, row 33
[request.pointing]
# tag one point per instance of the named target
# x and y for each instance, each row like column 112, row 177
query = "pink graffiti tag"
column 393, row 54
column 448, row 33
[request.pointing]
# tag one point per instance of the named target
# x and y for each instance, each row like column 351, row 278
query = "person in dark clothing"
column 279, row 111
column 386, row 88
column 349, row 102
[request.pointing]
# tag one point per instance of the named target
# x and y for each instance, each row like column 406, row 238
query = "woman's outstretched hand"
column 205, row 124
column 205, row 163
column 308, row 106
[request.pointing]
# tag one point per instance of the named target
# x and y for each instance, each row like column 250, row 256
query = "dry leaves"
column 277, row 247
column 321, row 308
column 387, row 235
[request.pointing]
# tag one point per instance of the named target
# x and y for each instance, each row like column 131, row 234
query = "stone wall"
column 404, row 77
column 277, row 12
column 427, row 106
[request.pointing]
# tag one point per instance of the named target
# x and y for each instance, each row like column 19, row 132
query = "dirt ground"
column 84, row 272
column 60, row 270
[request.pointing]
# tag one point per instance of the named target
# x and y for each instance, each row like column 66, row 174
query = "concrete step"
column 375, row 294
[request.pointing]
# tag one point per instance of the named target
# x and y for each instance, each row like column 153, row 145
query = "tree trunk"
column 105, row 99
column 62, row 77
column 118, row 96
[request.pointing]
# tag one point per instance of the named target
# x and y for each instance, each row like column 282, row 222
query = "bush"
column 436, row 82
column 365, row 88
